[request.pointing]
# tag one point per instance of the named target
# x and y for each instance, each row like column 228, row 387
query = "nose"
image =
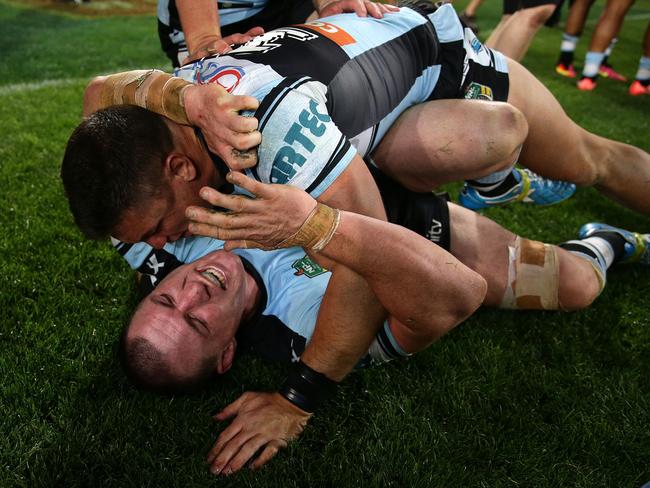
column 157, row 242
column 194, row 293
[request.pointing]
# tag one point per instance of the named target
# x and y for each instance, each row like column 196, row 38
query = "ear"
column 179, row 165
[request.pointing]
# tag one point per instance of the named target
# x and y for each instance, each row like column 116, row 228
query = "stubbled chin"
column 227, row 357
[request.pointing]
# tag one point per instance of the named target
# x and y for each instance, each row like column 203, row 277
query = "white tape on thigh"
column 533, row 276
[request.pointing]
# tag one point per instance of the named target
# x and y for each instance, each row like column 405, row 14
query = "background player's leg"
column 573, row 30
column 450, row 140
column 641, row 83
column 558, row 148
column 608, row 26
column 518, row 33
column 482, row 245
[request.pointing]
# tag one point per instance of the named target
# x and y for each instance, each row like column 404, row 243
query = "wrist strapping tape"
column 154, row 90
column 317, row 230
column 306, row 388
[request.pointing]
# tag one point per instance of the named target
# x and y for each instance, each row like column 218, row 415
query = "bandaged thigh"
column 533, row 276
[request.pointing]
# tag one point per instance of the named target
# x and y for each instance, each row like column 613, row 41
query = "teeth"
column 215, row 276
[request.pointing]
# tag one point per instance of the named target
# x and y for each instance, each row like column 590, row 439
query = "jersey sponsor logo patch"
column 300, row 138
column 476, row 45
column 226, row 76
column 273, row 39
column 434, row 234
column 332, row 32
column 306, row 267
column 476, row 91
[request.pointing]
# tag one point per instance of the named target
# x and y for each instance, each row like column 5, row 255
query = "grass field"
column 506, row 399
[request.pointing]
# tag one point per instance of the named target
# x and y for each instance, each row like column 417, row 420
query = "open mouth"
column 214, row 275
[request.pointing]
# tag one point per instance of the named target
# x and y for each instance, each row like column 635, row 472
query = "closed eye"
column 197, row 324
column 164, row 300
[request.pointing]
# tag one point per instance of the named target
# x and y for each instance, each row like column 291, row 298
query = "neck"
column 187, row 140
column 254, row 293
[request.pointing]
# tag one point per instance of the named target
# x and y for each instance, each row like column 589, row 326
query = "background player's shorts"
column 511, row 6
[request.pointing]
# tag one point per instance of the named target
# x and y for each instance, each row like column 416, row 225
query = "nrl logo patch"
column 305, row 266
column 476, row 91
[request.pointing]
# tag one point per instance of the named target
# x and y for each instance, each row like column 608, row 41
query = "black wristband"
column 306, row 388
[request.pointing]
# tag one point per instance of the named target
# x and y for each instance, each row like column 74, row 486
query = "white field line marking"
column 37, row 85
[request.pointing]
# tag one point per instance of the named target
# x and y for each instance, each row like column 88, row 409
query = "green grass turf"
column 507, row 399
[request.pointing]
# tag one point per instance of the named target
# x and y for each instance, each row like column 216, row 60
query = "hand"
column 264, row 222
column 211, row 45
column 361, row 7
column 263, row 422
column 233, row 137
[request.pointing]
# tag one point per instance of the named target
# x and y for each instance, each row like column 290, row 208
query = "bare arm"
column 200, row 23
column 209, row 107
column 369, row 253
column 403, row 269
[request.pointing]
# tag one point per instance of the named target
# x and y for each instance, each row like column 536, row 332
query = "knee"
column 578, row 294
column 510, row 131
column 515, row 126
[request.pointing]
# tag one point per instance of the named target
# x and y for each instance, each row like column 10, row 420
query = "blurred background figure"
column 608, row 26
column 520, row 22
column 191, row 29
column 641, row 83
column 574, row 26
column 468, row 16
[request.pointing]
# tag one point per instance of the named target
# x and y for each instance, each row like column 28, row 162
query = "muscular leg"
column 518, row 33
column 558, row 148
column 450, row 140
column 482, row 245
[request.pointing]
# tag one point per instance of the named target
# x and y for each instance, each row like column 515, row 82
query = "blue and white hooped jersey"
column 327, row 83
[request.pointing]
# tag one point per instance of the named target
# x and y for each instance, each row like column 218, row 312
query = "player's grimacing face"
column 195, row 312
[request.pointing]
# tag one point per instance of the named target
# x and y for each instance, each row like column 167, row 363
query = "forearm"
column 200, row 22
column 154, row 90
column 348, row 321
column 418, row 282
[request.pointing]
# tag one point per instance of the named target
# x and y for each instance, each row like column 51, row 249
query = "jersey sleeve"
column 301, row 144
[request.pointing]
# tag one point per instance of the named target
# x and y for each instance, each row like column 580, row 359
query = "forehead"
column 162, row 325
column 135, row 223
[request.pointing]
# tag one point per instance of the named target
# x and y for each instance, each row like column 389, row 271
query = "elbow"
column 92, row 95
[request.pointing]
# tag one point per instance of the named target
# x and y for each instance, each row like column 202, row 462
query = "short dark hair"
column 114, row 162
column 146, row 368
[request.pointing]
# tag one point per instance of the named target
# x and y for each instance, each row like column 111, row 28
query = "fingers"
column 241, row 123
column 360, row 8
column 232, row 408
column 374, row 10
column 269, row 452
column 224, row 438
column 242, row 102
column 255, row 31
column 236, row 203
column 245, row 453
column 257, row 188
